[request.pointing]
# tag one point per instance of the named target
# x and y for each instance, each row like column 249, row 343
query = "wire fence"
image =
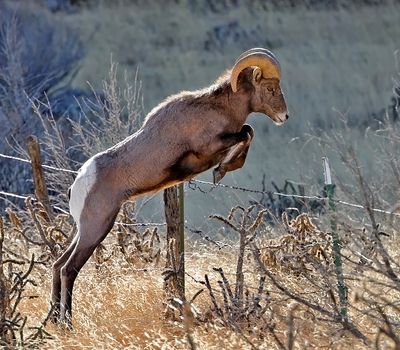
column 249, row 190
column 199, row 185
column 193, row 184
column 43, row 165
column 137, row 224
column 314, row 197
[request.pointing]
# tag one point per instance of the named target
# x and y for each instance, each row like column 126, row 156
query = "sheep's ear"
column 257, row 75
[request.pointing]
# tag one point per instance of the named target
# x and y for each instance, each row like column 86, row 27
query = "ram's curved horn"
column 257, row 49
column 261, row 58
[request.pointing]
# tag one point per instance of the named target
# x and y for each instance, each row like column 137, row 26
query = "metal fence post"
column 329, row 189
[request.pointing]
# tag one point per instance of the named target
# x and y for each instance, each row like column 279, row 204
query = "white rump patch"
column 81, row 187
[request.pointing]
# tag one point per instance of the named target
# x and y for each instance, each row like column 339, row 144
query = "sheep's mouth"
column 280, row 118
column 278, row 123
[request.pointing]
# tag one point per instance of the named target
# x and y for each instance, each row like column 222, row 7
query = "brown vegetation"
column 268, row 288
column 247, row 301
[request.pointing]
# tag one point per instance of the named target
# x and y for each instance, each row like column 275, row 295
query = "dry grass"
column 118, row 297
column 122, row 308
column 119, row 304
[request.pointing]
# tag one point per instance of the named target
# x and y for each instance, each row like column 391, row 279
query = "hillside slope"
column 332, row 60
column 334, row 57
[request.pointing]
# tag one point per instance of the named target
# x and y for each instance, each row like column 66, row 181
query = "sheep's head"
column 261, row 70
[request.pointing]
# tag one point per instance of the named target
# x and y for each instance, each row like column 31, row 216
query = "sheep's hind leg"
column 56, row 287
column 90, row 235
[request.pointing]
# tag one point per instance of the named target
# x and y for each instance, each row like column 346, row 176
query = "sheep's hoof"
column 65, row 321
column 218, row 174
column 54, row 312
column 66, row 324
column 54, row 318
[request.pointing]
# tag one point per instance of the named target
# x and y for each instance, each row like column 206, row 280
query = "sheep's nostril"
column 287, row 116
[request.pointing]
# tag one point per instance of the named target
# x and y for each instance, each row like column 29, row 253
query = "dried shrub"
column 296, row 287
column 295, row 251
column 104, row 119
column 232, row 303
column 29, row 37
column 38, row 57
column 139, row 249
column 289, row 196
column 13, row 284
column 35, row 228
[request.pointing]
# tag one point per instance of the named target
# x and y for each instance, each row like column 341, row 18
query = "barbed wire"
column 137, row 224
column 362, row 207
column 320, row 198
column 207, row 238
column 8, row 194
column 243, row 189
column 12, row 195
column 43, row 165
column 192, row 185
column 142, row 224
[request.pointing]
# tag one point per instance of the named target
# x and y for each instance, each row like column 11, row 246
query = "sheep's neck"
column 235, row 106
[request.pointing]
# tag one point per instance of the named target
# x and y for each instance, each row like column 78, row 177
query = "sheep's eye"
column 270, row 89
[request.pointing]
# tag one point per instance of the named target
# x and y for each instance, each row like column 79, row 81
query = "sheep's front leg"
column 236, row 156
column 223, row 147
column 227, row 141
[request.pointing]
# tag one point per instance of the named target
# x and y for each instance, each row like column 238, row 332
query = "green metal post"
column 337, row 246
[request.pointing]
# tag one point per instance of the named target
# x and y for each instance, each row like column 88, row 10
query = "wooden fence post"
column 4, row 294
column 175, row 265
column 38, row 177
column 181, row 199
column 337, row 245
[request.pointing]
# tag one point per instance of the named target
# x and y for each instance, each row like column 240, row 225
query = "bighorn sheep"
column 183, row 136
